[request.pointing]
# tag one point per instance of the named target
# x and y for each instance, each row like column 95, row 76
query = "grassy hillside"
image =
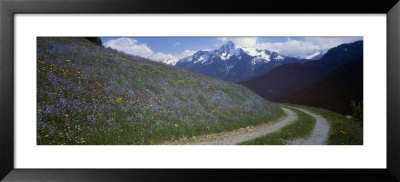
column 87, row 94
column 334, row 92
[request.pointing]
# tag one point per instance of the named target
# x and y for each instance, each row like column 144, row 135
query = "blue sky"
column 160, row 48
column 173, row 45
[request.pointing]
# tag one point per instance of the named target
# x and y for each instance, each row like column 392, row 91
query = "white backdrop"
column 370, row 155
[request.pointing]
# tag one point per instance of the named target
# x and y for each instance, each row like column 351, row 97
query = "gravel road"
column 235, row 139
column 319, row 135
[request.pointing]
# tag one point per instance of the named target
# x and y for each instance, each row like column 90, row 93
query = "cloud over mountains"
column 131, row 46
column 299, row 47
column 303, row 48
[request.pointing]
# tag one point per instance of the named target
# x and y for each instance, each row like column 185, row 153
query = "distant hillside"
column 234, row 63
column 88, row 94
column 335, row 91
column 288, row 78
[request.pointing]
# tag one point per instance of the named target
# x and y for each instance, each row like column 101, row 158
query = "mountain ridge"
column 234, row 63
column 287, row 78
column 334, row 92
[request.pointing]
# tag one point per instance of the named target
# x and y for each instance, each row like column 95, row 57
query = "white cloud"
column 329, row 42
column 171, row 58
column 165, row 58
column 307, row 46
column 159, row 56
column 185, row 53
column 129, row 46
column 177, row 44
column 296, row 48
column 209, row 49
column 303, row 48
column 249, row 42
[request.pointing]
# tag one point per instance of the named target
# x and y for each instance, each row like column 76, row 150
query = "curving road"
column 320, row 133
column 257, row 132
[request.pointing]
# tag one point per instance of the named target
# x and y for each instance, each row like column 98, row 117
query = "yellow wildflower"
column 66, row 115
column 68, row 60
column 118, row 100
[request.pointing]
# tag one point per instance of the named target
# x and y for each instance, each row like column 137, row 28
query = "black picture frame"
column 9, row 8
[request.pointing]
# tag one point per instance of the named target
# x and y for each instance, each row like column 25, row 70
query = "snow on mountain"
column 231, row 62
column 165, row 58
column 316, row 55
column 224, row 53
column 259, row 55
column 313, row 55
column 198, row 57
column 203, row 58
column 279, row 57
column 229, row 49
column 171, row 61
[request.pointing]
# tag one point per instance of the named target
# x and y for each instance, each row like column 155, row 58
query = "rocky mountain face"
column 234, row 63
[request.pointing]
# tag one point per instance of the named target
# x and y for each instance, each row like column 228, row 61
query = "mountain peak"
column 230, row 43
column 231, row 62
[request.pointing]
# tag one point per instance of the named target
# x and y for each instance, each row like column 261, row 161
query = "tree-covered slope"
column 288, row 78
column 87, row 94
column 334, row 92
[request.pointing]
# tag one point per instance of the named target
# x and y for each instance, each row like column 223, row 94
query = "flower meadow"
column 91, row 95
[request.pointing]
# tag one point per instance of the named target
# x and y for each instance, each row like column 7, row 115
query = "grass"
column 300, row 128
column 90, row 95
column 343, row 131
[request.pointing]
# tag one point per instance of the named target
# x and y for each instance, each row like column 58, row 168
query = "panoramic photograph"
column 199, row 90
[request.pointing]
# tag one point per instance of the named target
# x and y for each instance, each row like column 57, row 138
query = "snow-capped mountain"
column 231, row 62
column 316, row 55
column 168, row 59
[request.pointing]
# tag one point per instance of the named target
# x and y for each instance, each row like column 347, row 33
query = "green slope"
column 343, row 131
column 301, row 128
column 87, row 94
